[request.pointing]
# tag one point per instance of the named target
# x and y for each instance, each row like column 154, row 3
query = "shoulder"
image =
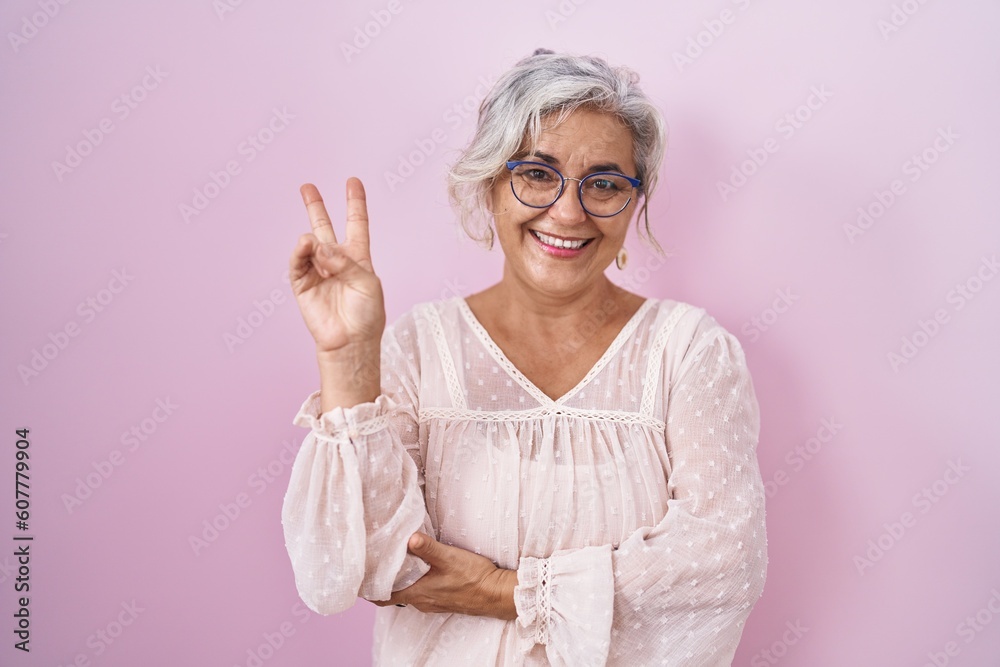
column 424, row 320
column 686, row 331
column 443, row 310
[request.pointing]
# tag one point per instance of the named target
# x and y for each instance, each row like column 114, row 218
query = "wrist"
column 503, row 595
column 349, row 375
column 353, row 353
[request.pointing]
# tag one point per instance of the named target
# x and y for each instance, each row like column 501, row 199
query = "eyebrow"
column 551, row 159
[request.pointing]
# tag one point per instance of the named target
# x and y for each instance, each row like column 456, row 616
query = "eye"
column 539, row 175
column 605, row 184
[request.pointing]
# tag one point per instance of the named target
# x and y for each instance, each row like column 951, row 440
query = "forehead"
column 585, row 135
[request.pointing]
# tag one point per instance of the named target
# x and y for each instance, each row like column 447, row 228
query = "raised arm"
column 679, row 592
column 355, row 494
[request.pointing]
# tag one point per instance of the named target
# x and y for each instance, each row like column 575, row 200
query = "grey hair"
column 546, row 82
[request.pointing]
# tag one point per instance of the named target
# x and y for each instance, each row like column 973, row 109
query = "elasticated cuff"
column 343, row 424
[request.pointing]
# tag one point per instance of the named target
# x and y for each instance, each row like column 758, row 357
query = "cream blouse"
column 632, row 507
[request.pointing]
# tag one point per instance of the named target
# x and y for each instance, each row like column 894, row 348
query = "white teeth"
column 558, row 243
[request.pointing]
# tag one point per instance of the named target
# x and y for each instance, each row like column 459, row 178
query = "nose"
column 567, row 208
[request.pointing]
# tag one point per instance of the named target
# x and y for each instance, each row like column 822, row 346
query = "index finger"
column 357, row 213
column 318, row 217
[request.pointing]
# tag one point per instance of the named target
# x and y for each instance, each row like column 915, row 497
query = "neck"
column 527, row 308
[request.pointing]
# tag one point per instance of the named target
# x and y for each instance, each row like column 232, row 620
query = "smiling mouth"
column 556, row 242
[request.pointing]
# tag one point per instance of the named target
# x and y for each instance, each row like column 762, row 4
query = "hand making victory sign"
column 341, row 302
column 340, row 298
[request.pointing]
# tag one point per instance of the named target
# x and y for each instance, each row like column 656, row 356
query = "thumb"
column 336, row 262
column 422, row 545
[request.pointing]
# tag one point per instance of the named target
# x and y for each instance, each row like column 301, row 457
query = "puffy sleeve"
column 678, row 592
column 356, row 491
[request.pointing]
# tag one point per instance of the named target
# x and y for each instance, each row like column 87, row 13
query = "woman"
column 551, row 471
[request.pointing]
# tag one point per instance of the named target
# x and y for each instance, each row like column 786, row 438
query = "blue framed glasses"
column 602, row 194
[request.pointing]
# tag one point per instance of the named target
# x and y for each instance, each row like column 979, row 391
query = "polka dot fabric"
column 632, row 507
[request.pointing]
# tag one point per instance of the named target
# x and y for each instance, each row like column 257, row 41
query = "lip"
column 560, row 252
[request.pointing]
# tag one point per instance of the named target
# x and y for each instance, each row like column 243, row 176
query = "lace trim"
column 612, row 350
column 542, row 601
column 498, row 354
column 347, row 432
column 447, row 363
column 655, row 359
column 525, row 383
column 426, row 414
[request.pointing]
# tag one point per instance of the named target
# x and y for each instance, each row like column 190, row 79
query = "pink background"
column 166, row 334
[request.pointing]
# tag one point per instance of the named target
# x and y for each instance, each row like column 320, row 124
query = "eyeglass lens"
column 602, row 194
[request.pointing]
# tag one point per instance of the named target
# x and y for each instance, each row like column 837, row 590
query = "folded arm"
column 356, row 495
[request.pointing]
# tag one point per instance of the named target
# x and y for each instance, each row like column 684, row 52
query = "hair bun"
column 539, row 52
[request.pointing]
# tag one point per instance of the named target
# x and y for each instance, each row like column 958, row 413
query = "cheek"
column 615, row 228
column 509, row 216
column 621, row 232
column 499, row 203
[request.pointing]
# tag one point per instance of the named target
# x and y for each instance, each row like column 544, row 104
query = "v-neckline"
column 529, row 386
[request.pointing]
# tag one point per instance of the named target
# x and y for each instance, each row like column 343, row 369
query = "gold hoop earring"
column 621, row 259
